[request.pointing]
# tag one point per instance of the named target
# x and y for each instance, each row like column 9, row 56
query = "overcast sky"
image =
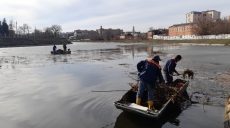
column 91, row 14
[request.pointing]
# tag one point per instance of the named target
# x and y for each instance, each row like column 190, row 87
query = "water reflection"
column 60, row 58
column 128, row 120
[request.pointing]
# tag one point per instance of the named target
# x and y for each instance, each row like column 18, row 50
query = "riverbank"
column 200, row 41
column 22, row 42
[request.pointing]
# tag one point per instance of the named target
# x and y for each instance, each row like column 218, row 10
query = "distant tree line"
column 209, row 27
column 25, row 31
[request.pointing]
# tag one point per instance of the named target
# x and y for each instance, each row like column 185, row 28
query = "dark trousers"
column 145, row 86
column 168, row 78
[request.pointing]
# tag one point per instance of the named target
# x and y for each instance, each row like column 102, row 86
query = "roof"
column 211, row 11
column 183, row 24
column 195, row 12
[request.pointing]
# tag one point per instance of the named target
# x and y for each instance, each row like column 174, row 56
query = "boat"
column 166, row 99
column 60, row 51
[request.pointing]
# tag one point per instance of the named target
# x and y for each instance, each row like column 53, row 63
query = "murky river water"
column 39, row 90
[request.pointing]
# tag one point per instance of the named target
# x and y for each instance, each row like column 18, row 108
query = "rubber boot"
column 150, row 105
column 138, row 101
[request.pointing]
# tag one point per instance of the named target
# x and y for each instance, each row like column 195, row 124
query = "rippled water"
column 40, row 90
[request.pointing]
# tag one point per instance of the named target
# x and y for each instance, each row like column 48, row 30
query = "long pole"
column 108, row 90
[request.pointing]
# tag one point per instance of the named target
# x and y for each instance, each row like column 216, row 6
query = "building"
column 127, row 36
column 182, row 29
column 66, row 34
column 109, row 34
column 85, row 35
column 194, row 16
column 192, row 19
column 226, row 18
column 160, row 32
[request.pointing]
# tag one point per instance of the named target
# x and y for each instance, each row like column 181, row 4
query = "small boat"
column 166, row 98
column 60, row 51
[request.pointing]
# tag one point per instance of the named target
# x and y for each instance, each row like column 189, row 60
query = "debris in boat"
column 134, row 86
column 189, row 74
column 165, row 98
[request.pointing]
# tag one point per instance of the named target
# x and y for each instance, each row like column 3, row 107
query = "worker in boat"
column 149, row 72
column 54, row 48
column 170, row 68
column 64, row 47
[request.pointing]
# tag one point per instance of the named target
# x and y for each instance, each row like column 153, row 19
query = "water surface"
column 40, row 90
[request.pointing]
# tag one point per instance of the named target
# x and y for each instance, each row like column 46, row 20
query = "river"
column 40, row 90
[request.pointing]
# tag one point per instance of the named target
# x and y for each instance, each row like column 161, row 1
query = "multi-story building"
column 194, row 16
column 182, row 29
column 108, row 34
column 85, row 34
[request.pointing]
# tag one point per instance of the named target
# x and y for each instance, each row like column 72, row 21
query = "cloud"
column 91, row 14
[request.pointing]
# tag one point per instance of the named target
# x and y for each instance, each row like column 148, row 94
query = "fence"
column 192, row 37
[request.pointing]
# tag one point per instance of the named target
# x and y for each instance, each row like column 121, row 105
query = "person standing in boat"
column 54, row 48
column 149, row 72
column 64, row 47
column 170, row 68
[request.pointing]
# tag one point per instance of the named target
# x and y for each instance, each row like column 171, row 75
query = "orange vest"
column 150, row 61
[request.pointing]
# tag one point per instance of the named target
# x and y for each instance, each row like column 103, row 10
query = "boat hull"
column 60, row 53
column 171, row 105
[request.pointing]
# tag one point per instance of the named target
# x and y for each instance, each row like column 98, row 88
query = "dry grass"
column 224, row 78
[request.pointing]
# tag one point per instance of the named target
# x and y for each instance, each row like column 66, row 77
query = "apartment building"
column 195, row 16
column 108, row 34
column 192, row 18
column 86, row 34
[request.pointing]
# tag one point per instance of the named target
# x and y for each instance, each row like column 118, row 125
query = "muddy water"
column 39, row 90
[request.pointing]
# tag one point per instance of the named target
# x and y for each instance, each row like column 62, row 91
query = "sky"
column 91, row 14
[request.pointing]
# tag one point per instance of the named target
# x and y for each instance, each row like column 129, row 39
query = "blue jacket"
column 149, row 71
column 170, row 66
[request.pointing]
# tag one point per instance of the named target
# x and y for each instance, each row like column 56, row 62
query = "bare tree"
column 21, row 30
column 24, row 29
column 55, row 29
column 48, row 32
column 204, row 27
column 209, row 27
